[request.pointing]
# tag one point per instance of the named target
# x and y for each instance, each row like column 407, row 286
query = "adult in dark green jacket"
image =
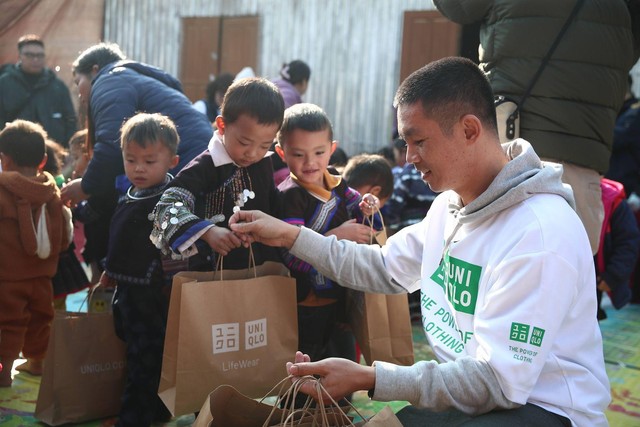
column 570, row 114
column 31, row 91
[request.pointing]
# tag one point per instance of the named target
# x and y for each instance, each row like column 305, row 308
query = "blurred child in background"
column 70, row 276
column 34, row 228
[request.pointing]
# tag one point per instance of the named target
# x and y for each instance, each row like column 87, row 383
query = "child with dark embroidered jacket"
column 316, row 199
column 235, row 172
column 141, row 301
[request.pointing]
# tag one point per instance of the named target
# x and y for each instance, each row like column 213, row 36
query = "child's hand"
column 603, row 286
column 106, row 281
column 369, row 204
column 352, row 230
column 221, row 240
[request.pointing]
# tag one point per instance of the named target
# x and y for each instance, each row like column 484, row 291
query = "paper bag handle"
column 369, row 219
column 288, row 397
column 87, row 300
column 252, row 263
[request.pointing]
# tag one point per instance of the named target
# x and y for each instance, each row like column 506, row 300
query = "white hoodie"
column 508, row 297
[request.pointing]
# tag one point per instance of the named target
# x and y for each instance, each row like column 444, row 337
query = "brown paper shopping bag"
column 239, row 331
column 382, row 326
column 381, row 323
column 84, row 369
column 226, row 406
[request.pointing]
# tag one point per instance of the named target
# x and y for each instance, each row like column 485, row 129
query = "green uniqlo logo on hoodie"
column 519, row 332
column 459, row 280
column 536, row 336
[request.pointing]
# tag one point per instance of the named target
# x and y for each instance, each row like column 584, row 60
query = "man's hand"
column 72, row 194
column 257, row 226
column 221, row 240
column 339, row 377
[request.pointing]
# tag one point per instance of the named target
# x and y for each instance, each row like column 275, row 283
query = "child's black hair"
column 256, row 97
column 295, row 71
column 145, row 128
column 219, row 85
column 55, row 157
column 369, row 170
column 308, row 117
column 23, row 141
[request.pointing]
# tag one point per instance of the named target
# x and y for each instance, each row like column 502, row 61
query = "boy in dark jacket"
column 141, row 300
column 234, row 172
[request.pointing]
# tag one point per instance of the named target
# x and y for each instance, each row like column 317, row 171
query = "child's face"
column 148, row 166
column 245, row 140
column 307, row 154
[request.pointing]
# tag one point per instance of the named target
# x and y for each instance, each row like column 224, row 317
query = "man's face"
column 32, row 58
column 437, row 156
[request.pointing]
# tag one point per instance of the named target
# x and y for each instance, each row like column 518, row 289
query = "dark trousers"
column 525, row 416
column 140, row 318
column 315, row 326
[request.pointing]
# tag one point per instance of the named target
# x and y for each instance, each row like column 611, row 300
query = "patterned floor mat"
column 621, row 333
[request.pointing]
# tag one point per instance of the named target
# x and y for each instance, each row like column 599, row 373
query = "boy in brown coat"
column 29, row 247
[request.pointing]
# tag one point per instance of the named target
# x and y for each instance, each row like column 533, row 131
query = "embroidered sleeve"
column 174, row 221
column 293, row 212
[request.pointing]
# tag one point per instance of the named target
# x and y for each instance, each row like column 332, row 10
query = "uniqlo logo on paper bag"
column 226, row 336
column 255, row 334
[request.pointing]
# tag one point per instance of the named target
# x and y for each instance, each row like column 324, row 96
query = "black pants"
column 525, row 416
column 315, row 326
column 140, row 318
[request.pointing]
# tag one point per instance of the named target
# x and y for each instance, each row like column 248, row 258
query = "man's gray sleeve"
column 353, row 265
column 467, row 384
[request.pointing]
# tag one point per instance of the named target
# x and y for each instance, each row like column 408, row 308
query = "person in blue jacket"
column 114, row 89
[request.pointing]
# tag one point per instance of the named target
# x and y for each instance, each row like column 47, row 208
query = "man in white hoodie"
column 503, row 264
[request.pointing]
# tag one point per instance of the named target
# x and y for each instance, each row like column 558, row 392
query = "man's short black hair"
column 29, row 39
column 448, row 89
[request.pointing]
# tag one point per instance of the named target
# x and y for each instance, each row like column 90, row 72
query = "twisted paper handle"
column 292, row 416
